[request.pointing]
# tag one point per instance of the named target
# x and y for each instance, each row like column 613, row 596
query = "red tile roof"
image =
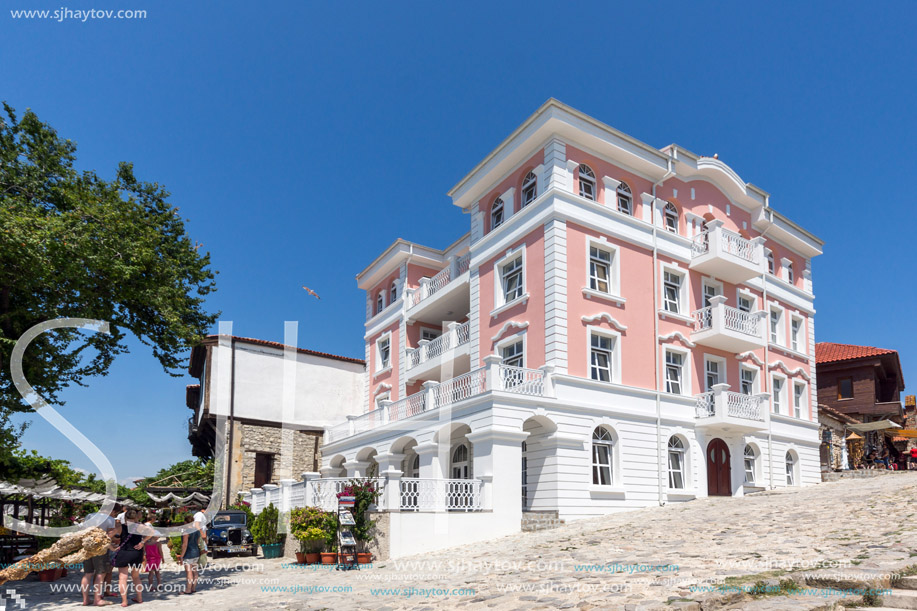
column 837, row 415
column 827, row 352
column 263, row 342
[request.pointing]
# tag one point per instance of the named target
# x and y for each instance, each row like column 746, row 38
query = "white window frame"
column 721, row 369
column 712, row 283
column 393, row 292
column 467, row 464
column 380, row 301
column 615, row 337
column 500, row 302
column 786, row 270
column 614, row 268
column 665, row 218
column 683, row 462
column 756, row 382
column 525, row 183
column 744, row 294
column 778, row 398
column 611, row 444
column 799, row 410
column 755, row 455
column 509, row 341
column 435, row 332
column 682, row 289
column 781, row 325
column 685, row 369
column 791, row 464
column 771, row 262
column 590, row 180
column 382, row 338
column 798, row 340
column 624, row 191
column 493, row 211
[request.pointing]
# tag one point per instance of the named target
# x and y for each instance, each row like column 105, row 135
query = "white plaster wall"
column 417, row 533
column 326, row 390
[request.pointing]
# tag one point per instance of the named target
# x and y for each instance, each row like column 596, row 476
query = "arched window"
column 602, row 444
column 414, row 471
column 496, row 214
column 676, row 463
column 393, row 294
column 460, row 466
column 750, row 457
column 670, row 212
column 380, row 302
column 770, row 261
column 586, row 182
column 625, row 199
column 790, row 469
column 529, row 189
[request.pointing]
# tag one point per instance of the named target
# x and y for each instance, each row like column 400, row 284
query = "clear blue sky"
column 301, row 138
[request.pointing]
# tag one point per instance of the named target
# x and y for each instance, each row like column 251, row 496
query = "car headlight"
column 223, row 535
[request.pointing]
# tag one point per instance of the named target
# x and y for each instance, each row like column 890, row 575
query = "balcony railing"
column 730, row 243
column 493, row 376
column 428, row 288
column 453, row 338
column 734, row 319
column 423, row 494
column 727, row 407
column 415, row 494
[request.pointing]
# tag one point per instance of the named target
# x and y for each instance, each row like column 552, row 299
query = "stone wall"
column 250, row 439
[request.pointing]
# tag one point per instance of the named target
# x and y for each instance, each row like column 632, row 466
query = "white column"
column 389, row 469
column 555, row 266
column 307, row 478
column 356, row 468
column 494, row 381
column 498, row 464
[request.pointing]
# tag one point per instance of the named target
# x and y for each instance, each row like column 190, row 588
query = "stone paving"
column 670, row 557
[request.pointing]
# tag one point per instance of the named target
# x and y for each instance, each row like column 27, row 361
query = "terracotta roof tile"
column 827, row 352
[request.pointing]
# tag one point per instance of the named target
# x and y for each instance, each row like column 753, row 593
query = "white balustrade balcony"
column 726, row 255
column 727, row 328
column 493, row 376
column 426, row 361
column 723, row 410
column 444, row 296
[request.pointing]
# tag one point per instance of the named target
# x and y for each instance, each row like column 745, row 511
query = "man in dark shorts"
column 97, row 568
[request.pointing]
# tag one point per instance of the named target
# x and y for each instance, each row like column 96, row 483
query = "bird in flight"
column 311, row 292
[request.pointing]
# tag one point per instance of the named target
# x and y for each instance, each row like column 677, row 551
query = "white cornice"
column 382, row 388
column 508, row 325
column 790, row 372
column 607, row 317
column 752, row 356
column 677, row 335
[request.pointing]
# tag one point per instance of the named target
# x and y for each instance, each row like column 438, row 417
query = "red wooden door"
column 719, row 480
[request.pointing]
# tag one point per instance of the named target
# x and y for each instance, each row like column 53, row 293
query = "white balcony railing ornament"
column 522, row 381
column 748, row 407
column 427, row 289
column 729, row 242
column 423, row 494
column 407, row 407
column 734, row 319
column 703, row 318
column 449, row 340
column 460, row 388
column 704, row 406
column 700, row 244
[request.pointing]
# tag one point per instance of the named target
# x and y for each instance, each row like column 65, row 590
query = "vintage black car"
column 229, row 534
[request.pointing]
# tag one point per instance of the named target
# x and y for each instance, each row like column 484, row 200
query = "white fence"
column 499, row 377
column 453, row 338
column 415, row 494
column 734, row 319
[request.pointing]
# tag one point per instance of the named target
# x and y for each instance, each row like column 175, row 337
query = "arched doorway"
column 719, row 474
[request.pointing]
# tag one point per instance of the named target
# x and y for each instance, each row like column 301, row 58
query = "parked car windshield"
column 222, row 519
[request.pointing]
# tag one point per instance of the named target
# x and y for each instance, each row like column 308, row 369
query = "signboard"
column 346, row 518
column 910, row 401
column 347, row 538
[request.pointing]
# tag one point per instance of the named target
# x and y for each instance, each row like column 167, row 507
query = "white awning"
column 879, row 425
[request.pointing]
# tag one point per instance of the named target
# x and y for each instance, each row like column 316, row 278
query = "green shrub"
column 264, row 529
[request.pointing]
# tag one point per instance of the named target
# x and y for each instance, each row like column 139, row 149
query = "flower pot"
column 271, row 550
column 313, row 557
column 46, row 575
column 300, row 558
column 364, row 558
column 329, row 557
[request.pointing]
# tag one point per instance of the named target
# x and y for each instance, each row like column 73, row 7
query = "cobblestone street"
column 832, row 535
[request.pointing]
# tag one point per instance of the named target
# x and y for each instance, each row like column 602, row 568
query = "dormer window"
column 670, row 214
column 496, row 214
column 529, row 189
column 586, row 182
column 625, row 199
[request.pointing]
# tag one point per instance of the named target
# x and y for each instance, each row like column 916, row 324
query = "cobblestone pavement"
column 654, row 558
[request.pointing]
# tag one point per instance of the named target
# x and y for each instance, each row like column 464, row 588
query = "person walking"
column 129, row 557
column 190, row 556
column 153, row 556
column 97, row 568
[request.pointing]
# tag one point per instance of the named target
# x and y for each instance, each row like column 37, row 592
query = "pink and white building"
column 622, row 326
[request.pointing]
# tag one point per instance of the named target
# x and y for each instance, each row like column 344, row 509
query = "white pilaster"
column 555, row 265
column 474, row 319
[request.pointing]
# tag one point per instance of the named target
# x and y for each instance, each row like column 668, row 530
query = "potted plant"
column 308, row 526
column 329, row 526
column 264, row 531
column 365, row 493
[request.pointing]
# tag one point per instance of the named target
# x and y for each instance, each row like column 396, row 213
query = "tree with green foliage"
column 73, row 244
